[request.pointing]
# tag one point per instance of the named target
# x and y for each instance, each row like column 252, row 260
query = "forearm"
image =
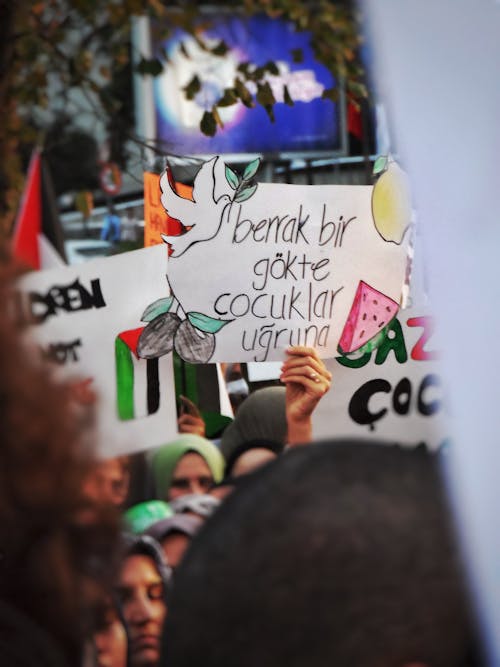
column 299, row 431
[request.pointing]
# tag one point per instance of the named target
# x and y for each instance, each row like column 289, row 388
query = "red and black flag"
column 38, row 238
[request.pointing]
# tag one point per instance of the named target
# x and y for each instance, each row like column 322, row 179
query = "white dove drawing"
column 203, row 216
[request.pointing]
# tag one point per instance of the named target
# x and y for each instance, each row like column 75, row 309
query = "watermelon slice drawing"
column 370, row 313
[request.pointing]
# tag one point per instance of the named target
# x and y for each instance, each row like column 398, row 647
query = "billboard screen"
column 312, row 126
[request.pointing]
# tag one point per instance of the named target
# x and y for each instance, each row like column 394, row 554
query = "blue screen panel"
column 313, row 125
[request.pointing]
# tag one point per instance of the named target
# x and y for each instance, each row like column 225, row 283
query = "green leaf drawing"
column 251, row 169
column 157, row 308
column 380, row 164
column 206, row 323
column 245, row 194
column 232, row 178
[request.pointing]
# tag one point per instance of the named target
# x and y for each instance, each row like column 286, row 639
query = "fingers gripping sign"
column 307, row 380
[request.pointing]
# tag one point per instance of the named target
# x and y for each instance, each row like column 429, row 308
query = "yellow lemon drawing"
column 391, row 204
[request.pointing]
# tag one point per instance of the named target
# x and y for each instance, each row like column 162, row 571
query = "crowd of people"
column 260, row 548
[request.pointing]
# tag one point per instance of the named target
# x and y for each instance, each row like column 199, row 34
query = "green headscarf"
column 142, row 515
column 168, row 456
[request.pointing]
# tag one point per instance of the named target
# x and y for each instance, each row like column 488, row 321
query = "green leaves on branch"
column 220, row 49
column 272, row 68
column 184, row 51
column 228, row 98
column 245, row 193
column 242, row 185
column 330, row 94
column 265, row 97
column 207, row 124
column 244, row 68
column 237, row 182
column 357, row 89
column 217, row 117
column 287, row 97
column 243, row 93
column 251, row 169
column 192, row 88
column 232, row 177
column 335, row 37
column 149, row 66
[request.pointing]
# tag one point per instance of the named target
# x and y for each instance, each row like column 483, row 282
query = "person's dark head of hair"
column 266, row 446
column 337, row 554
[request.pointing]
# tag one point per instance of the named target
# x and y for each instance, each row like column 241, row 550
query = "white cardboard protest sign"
column 395, row 392
column 89, row 318
column 264, row 266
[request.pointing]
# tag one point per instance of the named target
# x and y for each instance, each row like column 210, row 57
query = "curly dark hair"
column 56, row 552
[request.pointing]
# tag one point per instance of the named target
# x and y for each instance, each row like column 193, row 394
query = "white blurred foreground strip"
column 436, row 70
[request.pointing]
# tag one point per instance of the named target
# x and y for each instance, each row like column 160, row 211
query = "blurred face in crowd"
column 111, row 642
column 191, row 475
column 142, row 597
column 108, row 483
column 174, row 546
column 251, row 460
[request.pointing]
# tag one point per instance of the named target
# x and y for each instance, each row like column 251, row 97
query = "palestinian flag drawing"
column 137, row 380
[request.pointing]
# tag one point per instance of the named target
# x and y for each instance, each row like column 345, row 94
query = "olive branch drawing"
column 242, row 185
column 191, row 334
column 169, row 327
